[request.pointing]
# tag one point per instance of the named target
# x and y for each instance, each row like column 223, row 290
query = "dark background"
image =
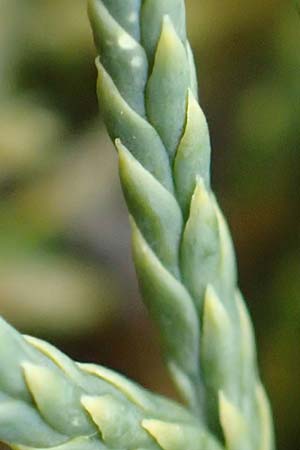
column 65, row 266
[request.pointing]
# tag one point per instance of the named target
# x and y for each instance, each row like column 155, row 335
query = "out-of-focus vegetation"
column 65, row 268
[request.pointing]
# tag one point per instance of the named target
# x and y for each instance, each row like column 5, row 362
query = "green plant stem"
column 184, row 261
column 49, row 401
column 181, row 244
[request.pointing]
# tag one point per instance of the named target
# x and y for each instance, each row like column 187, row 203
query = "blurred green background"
column 65, row 266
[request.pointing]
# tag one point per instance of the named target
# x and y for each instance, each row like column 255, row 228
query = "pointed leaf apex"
column 200, row 196
column 214, row 312
column 168, row 32
column 121, row 149
column 233, row 423
column 166, row 434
